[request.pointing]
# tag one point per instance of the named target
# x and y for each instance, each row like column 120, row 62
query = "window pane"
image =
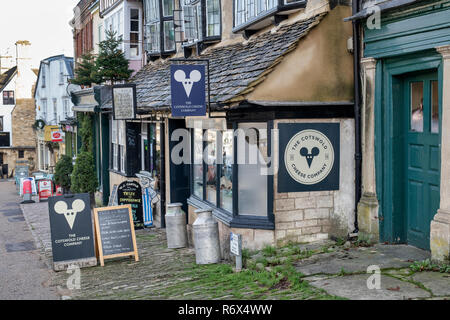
column 1, row 124
column 153, row 38
column 134, row 26
column 213, row 18
column 151, row 10
column 211, row 173
column 434, row 107
column 169, row 36
column 417, row 106
column 167, row 8
column 134, row 14
column 226, row 178
column 198, row 163
column 252, row 148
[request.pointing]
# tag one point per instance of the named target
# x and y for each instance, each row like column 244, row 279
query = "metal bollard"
column 206, row 238
column 176, row 226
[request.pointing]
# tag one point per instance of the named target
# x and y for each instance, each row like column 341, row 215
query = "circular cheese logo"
column 309, row 157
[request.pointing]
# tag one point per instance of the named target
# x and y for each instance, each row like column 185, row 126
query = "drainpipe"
column 357, row 107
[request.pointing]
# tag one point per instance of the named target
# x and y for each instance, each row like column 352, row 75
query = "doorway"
column 415, row 159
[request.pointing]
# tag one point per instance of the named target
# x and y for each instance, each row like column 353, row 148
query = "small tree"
column 111, row 64
column 86, row 71
column 84, row 179
column 63, row 170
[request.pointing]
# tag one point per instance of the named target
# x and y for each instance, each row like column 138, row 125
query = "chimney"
column 25, row 75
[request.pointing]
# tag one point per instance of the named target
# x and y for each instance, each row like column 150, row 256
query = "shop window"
column 197, row 186
column 151, row 150
column 8, row 97
column 118, row 146
column 202, row 20
column 226, row 172
column 159, row 27
column 252, row 155
column 229, row 174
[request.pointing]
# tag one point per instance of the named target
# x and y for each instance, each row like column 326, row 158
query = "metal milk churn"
column 206, row 238
column 176, row 226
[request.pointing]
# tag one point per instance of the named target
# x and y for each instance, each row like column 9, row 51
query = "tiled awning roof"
column 235, row 70
column 6, row 77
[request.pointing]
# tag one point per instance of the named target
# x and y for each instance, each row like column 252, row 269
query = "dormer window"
column 159, row 28
column 257, row 14
column 202, row 20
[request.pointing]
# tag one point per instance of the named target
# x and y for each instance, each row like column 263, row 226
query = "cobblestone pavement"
column 23, row 272
column 308, row 271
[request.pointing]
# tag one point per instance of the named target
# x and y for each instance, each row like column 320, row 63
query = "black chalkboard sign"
column 71, row 227
column 115, row 232
column 130, row 192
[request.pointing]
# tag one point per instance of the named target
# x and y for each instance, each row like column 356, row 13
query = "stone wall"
column 312, row 216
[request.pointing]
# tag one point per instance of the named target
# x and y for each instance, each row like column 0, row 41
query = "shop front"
column 289, row 89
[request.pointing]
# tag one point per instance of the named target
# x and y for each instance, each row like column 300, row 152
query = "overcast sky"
column 45, row 23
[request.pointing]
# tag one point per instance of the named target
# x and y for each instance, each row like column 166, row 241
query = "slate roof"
column 235, row 70
column 6, row 77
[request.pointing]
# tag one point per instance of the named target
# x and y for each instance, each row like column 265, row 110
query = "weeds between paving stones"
column 427, row 265
column 269, row 274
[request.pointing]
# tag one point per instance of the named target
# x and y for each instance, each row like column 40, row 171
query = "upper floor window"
column 114, row 23
column 202, row 19
column 44, row 78
column 61, row 72
column 134, row 32
column 159, row 27
column 1, row 124
column 8, row 97
column 248, row 11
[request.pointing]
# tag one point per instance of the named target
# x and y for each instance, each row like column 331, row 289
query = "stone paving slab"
column 438, row 283
column 358, row 259
column 354, row 287
column 36, row 216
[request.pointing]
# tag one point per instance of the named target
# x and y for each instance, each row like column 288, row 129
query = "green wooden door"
column 422, row 156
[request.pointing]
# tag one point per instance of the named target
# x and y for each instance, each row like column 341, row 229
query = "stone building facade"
column 18, row 114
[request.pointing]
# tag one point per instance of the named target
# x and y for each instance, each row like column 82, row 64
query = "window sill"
column 240, row 222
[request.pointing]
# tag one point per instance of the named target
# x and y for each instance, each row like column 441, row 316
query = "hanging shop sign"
column 71, row 227
column 130, row 192
column 309, row 157
column 57, row 136
column 48, row 132
column 124, row 101
column 188, row 90
column 115, row 233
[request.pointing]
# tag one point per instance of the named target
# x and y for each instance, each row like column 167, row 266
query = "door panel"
column 422, row 157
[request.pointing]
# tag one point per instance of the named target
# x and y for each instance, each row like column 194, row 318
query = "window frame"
column 280, row 6
column 233, row 219
column 9, row 101
column 202, row 34
column 160, row 23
